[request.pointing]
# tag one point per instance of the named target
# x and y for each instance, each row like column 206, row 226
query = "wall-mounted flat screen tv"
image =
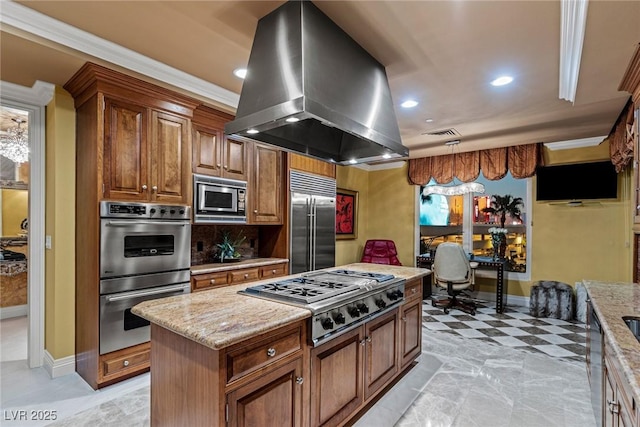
column 579, row 181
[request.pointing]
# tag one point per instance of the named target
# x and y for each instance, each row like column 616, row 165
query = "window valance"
column 520, row 160
column 621, row 139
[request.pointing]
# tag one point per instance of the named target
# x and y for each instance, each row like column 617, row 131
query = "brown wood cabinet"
column 258, row 382
column 265, row 198
column 349, row 370
column 146, row 153
column 618, row 407
column 213, row 153
column 311, row 165
column 134, row 143
column 200, row 282
column 411, row 323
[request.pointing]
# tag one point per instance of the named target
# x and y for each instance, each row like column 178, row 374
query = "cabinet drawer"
column 122, row 362
column 247, row 359
column 248, row 274
column 273, row 270
column 413, row 290
column 210, row 280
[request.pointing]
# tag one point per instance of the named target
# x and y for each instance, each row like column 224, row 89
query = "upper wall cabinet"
column 265, row 198
column 213, row 153
column 146, row 153
column 135, row 136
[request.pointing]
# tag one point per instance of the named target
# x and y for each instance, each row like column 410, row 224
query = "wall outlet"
column 47, row 242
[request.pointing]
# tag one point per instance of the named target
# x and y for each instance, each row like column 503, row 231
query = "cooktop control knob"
column 362, row 308
column 353, row 311
column 181, row 211
column 399, row 293
column 392, row 295
column 152, row 210
column 172, row 211
column 326, row 323
column 162, row 211
column 339, row 318
column 380, row 303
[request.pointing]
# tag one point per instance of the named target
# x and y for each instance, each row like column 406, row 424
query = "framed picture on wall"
column 346, row 214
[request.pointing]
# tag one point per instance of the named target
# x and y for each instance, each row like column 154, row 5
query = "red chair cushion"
column 380, row 252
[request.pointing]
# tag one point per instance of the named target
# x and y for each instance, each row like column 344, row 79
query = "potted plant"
column 502, row 206
column 227, row 249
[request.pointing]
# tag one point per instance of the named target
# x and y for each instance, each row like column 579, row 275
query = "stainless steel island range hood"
column 311, row 89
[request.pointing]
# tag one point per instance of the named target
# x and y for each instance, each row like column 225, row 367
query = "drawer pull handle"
column 363, row 342
column 218, row 165
column 212, row 281
column 413, row 291
column 256, row 210
column 404, row 319
column 226, row 167
column 144, row 187
column 125, row 363
column 273, row 271
column 246, row 275
column 271, row 352
column 299, row 380
column 154, row 188
column 368, row 339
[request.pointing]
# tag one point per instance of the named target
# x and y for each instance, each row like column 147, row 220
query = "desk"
column 484, row 263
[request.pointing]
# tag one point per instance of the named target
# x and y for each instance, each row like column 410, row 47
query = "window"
column 461, row 219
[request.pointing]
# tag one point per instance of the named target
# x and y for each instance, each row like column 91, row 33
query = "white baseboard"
column 59, row 367
column 14, row 311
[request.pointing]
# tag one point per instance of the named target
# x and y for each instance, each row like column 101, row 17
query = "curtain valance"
column 621, row 139
column 521, row 160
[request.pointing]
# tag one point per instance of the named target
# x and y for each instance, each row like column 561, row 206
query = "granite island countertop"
column 611, row 301
column 221, row 317
column 226, row 266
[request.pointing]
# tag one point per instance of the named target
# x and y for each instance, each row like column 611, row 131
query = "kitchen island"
column 620, row 351
column 219, row 357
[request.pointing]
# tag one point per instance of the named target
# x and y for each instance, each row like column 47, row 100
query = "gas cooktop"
column 338, row 299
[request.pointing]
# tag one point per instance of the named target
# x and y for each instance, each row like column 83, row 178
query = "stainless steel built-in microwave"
column 219, row 200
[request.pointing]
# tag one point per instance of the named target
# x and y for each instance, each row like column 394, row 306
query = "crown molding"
column 379, row 166
column 575, row 143
column 631, row 79
column 36, row 23
column 39, row 94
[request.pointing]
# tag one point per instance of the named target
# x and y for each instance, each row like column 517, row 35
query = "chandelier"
column 14, row 145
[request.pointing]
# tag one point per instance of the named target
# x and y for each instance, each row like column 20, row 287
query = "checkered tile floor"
column 513, row 328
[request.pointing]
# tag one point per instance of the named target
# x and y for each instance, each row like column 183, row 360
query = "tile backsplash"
column 205, row 237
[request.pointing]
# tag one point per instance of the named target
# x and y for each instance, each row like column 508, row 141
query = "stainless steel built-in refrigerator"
column 313, row 222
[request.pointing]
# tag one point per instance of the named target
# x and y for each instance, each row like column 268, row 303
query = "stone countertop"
column 611, row 301
column 226, row 266
column 221, row 317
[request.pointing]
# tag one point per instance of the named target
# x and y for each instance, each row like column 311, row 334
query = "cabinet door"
column 171, row 151
column 126, row 173
column 273, row 400
column 336, row 378
column 381, row 355
column 410, row 331
column 207, row 153
column 266, row 197
column 234, row 159
column 609, row 418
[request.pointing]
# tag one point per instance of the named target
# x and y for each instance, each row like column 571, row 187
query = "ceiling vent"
column 445, row 132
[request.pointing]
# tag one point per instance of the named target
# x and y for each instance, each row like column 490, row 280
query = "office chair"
column 453, row 272
column 380, row 252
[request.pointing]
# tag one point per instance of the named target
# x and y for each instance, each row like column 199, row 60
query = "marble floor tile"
column 509, row 341
column 470, row 333
column 514, row 332
column 554, row 329
column 553, row 350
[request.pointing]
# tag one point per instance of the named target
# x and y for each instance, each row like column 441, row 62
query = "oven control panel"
column 110, row 209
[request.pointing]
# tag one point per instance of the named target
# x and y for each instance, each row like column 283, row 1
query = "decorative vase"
column 499, row 243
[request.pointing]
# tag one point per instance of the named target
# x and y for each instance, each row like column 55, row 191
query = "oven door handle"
column 135, row 222
column 130, row 295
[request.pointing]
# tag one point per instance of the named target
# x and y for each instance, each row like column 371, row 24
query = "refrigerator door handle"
column 310, row 230
column 312, row 233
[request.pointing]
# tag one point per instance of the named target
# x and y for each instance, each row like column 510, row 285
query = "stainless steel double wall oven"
column 145, row 253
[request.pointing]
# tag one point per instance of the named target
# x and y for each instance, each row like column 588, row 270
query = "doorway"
column 26, row 234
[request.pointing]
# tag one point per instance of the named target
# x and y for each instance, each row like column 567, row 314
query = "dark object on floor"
column 551, row 299
column 453, row 271
column 380, row 252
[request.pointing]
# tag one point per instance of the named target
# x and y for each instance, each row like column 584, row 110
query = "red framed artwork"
column 346, row 214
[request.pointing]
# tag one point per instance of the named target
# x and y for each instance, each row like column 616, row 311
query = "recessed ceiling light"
column 429, row 120
column 409, row 103
column 502, row 80
column 292, row 119
column 253, row 131
column 240, row 72
column 353, row 161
